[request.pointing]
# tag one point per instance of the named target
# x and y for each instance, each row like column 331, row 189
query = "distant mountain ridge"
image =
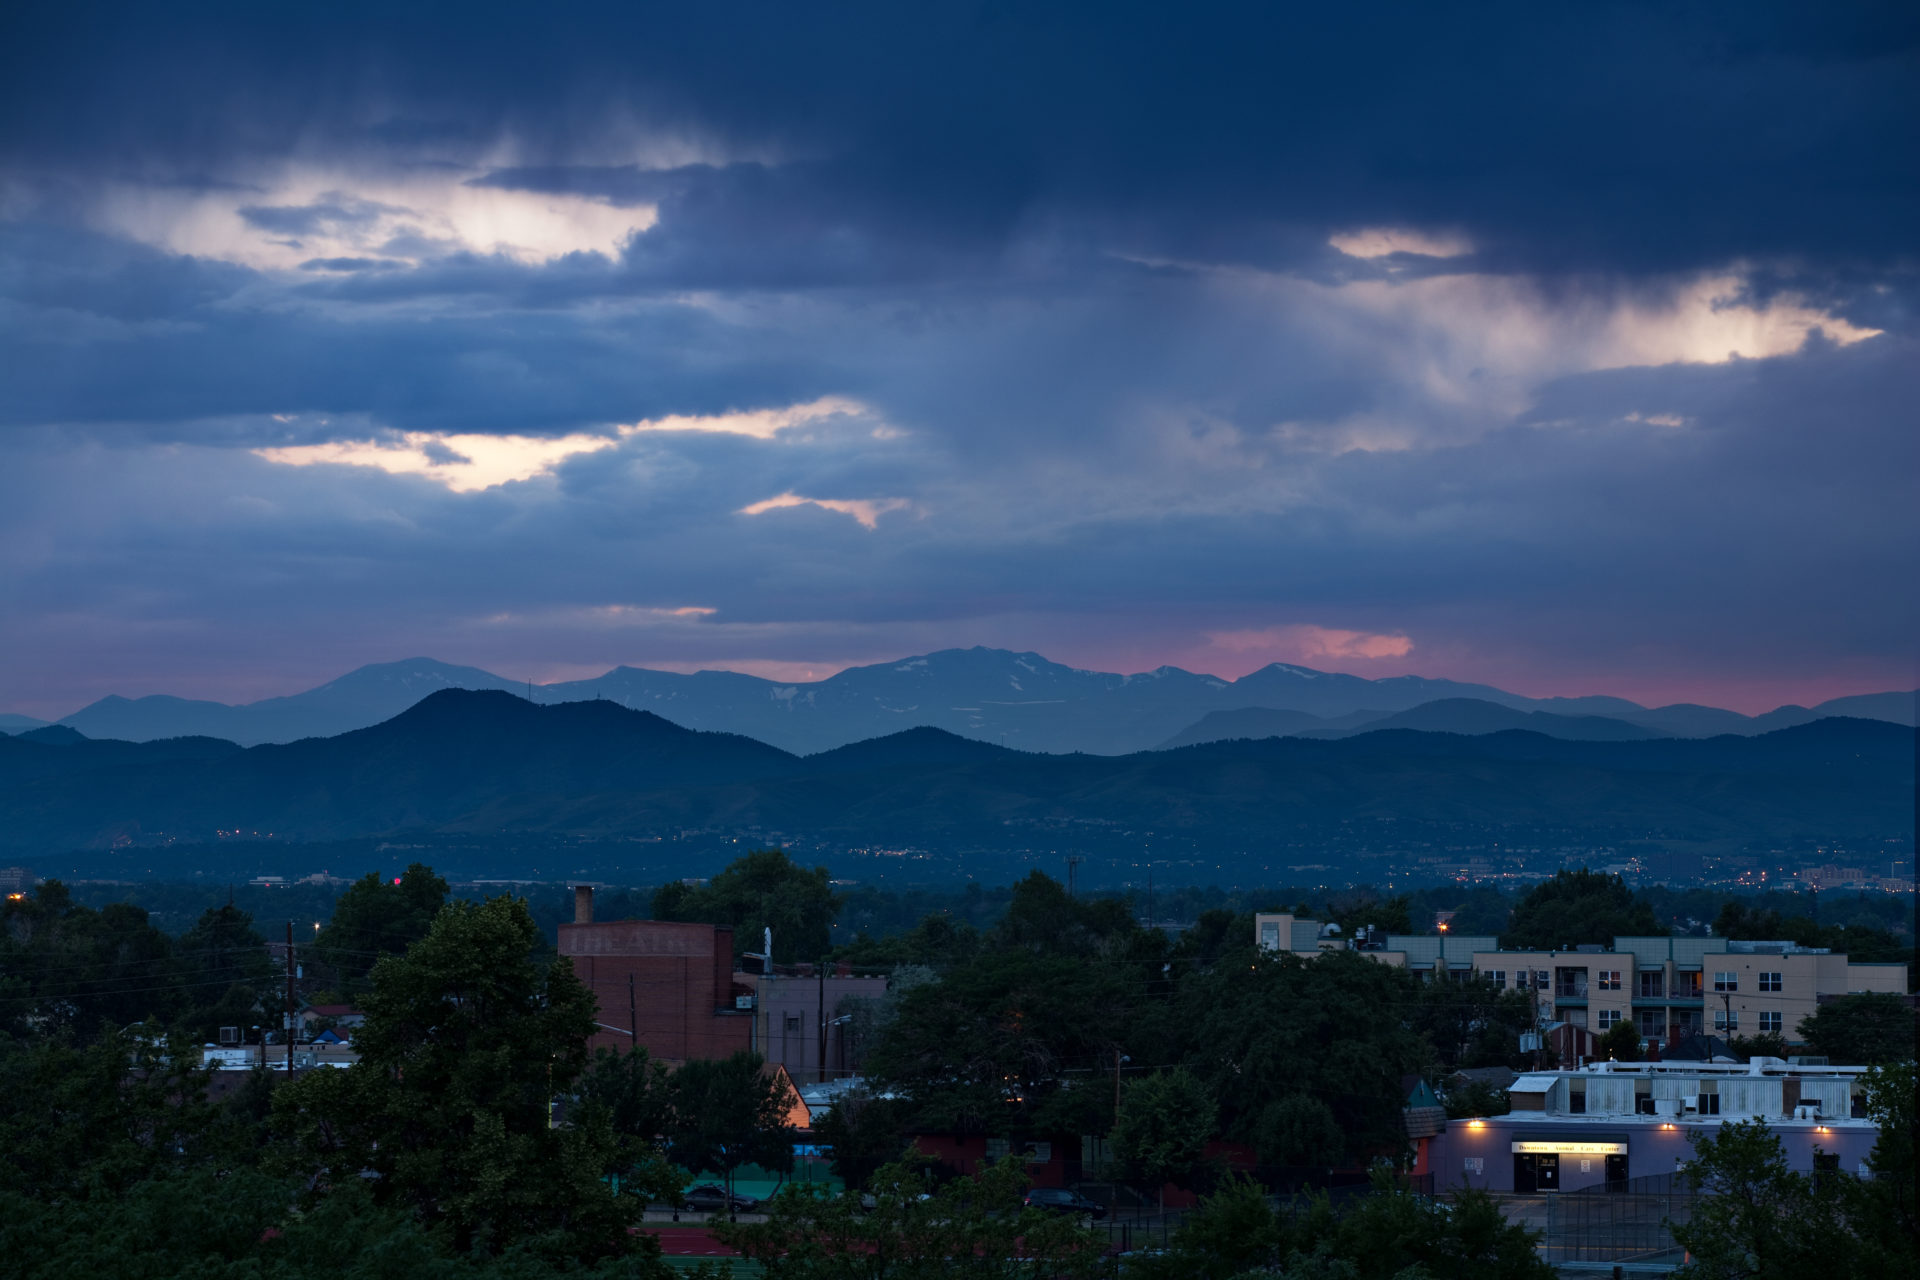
column 1019, row 700
column 489, row 762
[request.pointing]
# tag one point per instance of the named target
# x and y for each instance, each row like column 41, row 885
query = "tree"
column 1757, row 1217
column 865, row 1132
column 1866, row 1029
column 632, row 1095
column 467, row 1040
column 1388, row 1234
column 376, row 918
column 1161, row 1132
column 765, row 889
column 1298, row 1130
column 1470, row 1023
column 223, row 960
column 83, row 1124
column 991, row 1047
column 1882, row 1207
column 976, row 1228
column 730, row 1112
column 65, row 968
column 1577, row 907
column 1621, row 1042
column 1042, row 917
column 1258, row 1029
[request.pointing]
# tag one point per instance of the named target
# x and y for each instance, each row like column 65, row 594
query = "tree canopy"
column 467, row 1039
column 765, row 889
column 376, row 917
column 1578, row 907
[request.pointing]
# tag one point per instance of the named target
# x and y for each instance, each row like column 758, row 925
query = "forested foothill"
column 476, row 1135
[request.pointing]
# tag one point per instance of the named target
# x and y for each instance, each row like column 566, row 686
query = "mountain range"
column 491, row 763
column 1018, row 700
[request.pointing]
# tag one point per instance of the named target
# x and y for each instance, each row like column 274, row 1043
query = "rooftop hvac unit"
column 1807, row 1111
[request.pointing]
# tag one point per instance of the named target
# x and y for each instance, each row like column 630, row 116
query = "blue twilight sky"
column 1572, row 348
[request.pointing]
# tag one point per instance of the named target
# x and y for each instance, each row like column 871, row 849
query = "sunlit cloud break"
column 866, row 510
column 467, row 462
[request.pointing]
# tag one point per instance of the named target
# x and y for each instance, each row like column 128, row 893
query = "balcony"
column 1576, row 990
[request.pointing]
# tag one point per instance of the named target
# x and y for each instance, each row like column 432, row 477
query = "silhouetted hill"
column 1247, row 722
column 491, row 762
column 921, row 747
column 1019, row 700
column 1472, row 716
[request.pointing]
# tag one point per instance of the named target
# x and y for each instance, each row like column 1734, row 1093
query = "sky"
column 1574, row 349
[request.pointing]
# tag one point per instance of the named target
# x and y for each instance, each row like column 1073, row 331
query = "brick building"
column 662, row 984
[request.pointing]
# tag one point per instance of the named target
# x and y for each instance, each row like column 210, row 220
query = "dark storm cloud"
column 1075, row 267
column 1610, row 137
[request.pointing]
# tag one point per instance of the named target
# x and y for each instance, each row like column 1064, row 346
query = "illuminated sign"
column 1569, row 1148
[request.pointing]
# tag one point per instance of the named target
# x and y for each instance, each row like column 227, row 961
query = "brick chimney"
column 583, row 904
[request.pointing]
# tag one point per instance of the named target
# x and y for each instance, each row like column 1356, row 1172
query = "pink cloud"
column 1304, row 643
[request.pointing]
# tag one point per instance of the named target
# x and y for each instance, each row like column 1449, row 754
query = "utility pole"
column 823, row 1020
column 289, row 999
column 633, row 1017
column 1073, row 860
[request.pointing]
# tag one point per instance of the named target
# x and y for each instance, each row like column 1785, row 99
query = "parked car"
column 1061, row 1200
column 711, row 1197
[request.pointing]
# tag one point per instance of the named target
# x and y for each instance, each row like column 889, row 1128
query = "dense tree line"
column 476, row 1136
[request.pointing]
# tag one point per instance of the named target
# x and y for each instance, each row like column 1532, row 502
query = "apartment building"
column 1668, row 988
column 1612, row 1121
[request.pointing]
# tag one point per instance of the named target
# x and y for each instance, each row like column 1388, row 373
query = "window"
column 1499, row 977
column 1686, row 986
column 1653, row 985
column 1726, row 980
column 1769, row 982
column 1610, row 979
column 1270, row 935
column 1770, row 1020
column 1726, row 1019
column 1653, row 1023
column 793, row 1023
column 1540, row 978
column 1608, row 1017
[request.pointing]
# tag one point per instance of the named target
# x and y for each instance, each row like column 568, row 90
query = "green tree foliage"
column 1866, row 1029
column 730, row 1112
column 1358, row 908
column 68, row 968
column 937, row 942
column 866, row 1132
column 467, row 1040
column 376, row 918
column 1473, row 1098
column 1883, row 1206
column 991, row 1047
column 1577, row 907
column 236, row 1226
column 1761, row 1219
column 1863, row 939
column 631, row 1093
column 765, row 889
column 1161, row 1132
column 1259, row 1029
column 83, row 1124
column 1470, row 1022
column 1388, row 1235
column 1042, row 918
column 230, row 979
column 1758, row 1218
column 1621, row 1042
column 907, row 1228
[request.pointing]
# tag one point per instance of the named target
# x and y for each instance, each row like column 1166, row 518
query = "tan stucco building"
column 1667, row 987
